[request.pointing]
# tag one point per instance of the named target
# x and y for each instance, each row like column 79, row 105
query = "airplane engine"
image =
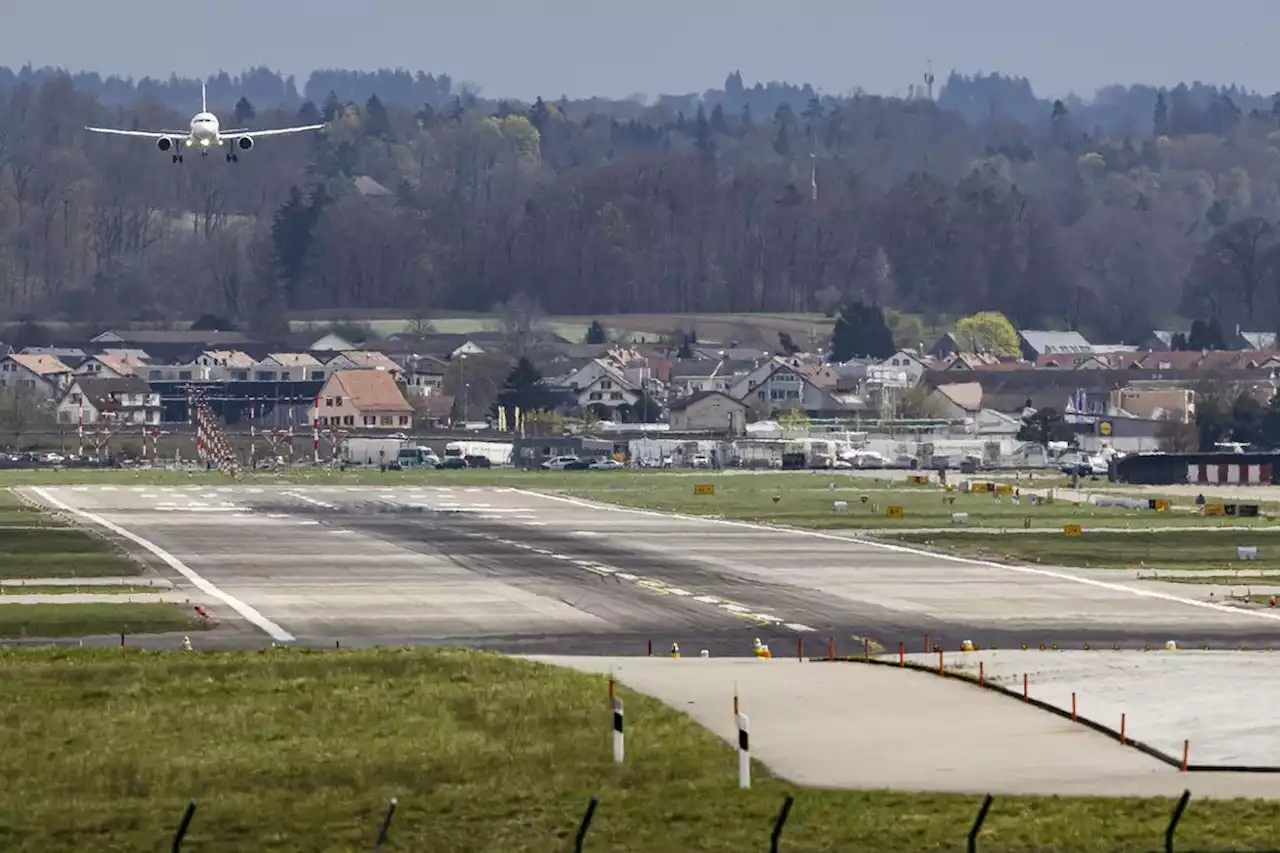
column 164, row 143
column 245, row 143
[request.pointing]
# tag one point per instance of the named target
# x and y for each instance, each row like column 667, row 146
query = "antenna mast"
column 928, row 80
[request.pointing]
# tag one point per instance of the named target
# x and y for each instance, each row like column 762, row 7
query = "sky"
column 617, row 48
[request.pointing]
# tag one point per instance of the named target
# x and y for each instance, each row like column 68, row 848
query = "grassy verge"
column 295, row 751
column 65, row 552
column 1176, row 549
column 87, row 620
column 77, row 589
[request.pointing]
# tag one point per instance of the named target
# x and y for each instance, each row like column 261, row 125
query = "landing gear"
column 204, row 153
column 177, row 158
column 232, row 157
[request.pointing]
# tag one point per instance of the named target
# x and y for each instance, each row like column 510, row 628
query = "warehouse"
column 1209, row 469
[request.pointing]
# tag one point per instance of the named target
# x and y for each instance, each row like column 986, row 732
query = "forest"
column 1142, row 208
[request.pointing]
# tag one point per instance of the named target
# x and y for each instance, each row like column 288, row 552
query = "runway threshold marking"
column 653, row 585
column 904, row 549
column 250, row 614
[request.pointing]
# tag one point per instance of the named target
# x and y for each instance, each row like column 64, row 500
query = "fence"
column 971, row 838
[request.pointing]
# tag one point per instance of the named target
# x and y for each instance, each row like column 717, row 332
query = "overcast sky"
column 522, row 49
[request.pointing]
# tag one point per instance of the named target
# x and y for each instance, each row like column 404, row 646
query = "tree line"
column 744, row 199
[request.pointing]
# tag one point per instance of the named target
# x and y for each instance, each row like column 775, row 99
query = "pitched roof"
column 168, row 336
column 372, row 390
column 370, row 358
column 1045, row 342
column 966, row 395
column 294, row 359
column 685, row 402
column 100, row 392
column 41, row 365
column 436, row 406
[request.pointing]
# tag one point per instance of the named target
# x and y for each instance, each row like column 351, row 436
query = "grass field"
column 87, row 620
column 1170, row 549
column 77, row 589
column 294, row 751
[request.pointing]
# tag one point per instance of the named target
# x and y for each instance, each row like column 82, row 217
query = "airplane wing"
column 279, row 131
column 143, row 134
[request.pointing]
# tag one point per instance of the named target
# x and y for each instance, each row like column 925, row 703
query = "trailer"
column 497, row 452
column 372, row 451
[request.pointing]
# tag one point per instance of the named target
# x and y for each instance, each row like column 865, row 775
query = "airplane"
column 204, row 134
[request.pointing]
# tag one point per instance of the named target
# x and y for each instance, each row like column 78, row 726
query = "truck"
column 417, row 456
column 497, row 452
column 371, row 451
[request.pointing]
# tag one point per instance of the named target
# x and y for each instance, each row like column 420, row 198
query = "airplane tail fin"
column 204, row 101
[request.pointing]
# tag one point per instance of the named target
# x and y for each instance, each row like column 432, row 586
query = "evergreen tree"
column 291, row 240
column 374, row 121
column 1160, row 117
column 861, row 332
column 524, row 390
column 702, row 133
column 595, row 334
column 718, row 123
column 243, row 111
column 332, row 106
column 786, row 345
column 309, row 113
column 539, row 114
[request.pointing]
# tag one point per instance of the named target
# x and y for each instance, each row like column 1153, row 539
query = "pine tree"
column 595, row 334
column 524, row 390
column 375, row 121
column 243, row 111
column 861, row 332
column 332, row 107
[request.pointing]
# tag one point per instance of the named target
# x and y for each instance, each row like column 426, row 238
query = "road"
column 523, row 572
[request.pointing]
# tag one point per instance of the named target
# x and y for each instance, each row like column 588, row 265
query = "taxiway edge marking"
column 903, row 549
column 272, row 629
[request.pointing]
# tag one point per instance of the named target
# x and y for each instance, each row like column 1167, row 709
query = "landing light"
column 204, row 142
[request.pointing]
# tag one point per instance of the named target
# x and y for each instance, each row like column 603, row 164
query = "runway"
column 523, row 572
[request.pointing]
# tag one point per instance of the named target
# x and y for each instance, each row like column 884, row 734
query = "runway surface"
column 517, row 571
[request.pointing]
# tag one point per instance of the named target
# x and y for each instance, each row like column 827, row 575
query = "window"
column 240, row 375
column 184, row 374
column 317, row 376
column 266, row 376
column 328, row 401
column 387, row 420
column 349, row 420
column 404, row 420
column 595, row 395
column 370, row 420
column 284, row 377
column 337, row 401
column 606, row 384
column 615, row 395
column 324, row 421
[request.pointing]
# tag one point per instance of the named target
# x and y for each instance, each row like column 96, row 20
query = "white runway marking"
column 306, row 499
column 272, row 629
column 903, row 549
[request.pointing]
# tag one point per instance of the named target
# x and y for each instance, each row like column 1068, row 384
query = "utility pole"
column 928, row 80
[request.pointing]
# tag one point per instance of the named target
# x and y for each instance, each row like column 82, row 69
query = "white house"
column 289, row 367
column 122, row 400
column 711, row 411
column 43, row 374
column 331, row 343
column 784, row 384
column 905, row 361
column 358, row 359
column 110, row 366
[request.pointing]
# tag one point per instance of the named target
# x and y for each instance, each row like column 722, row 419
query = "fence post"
column 978, row 821
column 1173, row 820
column 585, row 824
column 779, row 823
column 386, row 825
column 183, row 825
column 618, row 745
column 744, row 751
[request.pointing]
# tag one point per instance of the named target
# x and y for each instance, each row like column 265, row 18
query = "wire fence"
column 775, row 839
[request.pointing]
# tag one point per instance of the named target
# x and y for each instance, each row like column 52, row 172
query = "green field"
column 294, row 751
column 53, row 621
column 77, row 589
column 1173, row 549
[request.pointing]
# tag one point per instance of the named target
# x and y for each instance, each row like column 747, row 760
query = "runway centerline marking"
column 249, row 613
column 903, row 549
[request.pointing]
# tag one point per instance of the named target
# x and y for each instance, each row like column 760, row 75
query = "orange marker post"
column 651, row 648
column 735, row 704
column 902, row 654
column 800, row 648
column 1073, row 707
column 1122, row 722
column 866, row 649
column 982, row 674
column 612, row 690
column 1186, row 749
column 831, row 648
column 1025, row 694
column 940, row 669
column 927, row 646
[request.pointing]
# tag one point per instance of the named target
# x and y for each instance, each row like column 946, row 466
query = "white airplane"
column 204, row 134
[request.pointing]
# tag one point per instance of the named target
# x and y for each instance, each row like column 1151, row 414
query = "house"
column 945, row 347
column 289, row 367
column 118, row 400
column 713, row 411
column 424, row 376
column 786, row 383
column 604, row 387
column 109, row 366
column 958, row 400
column 363, row 399
column 358, row 359
column 690, row 377
column 1073, row 361
column 45, row 375
column 1156, row 402
column 1035, row 343
column 905, row 361
column 331, row 343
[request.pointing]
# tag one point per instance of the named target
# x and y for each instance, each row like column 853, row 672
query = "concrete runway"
column 522, row 572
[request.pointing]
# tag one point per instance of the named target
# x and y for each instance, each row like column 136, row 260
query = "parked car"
column 478, row 461
column 452, row 462
column 606, row 464
column 558, row 463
